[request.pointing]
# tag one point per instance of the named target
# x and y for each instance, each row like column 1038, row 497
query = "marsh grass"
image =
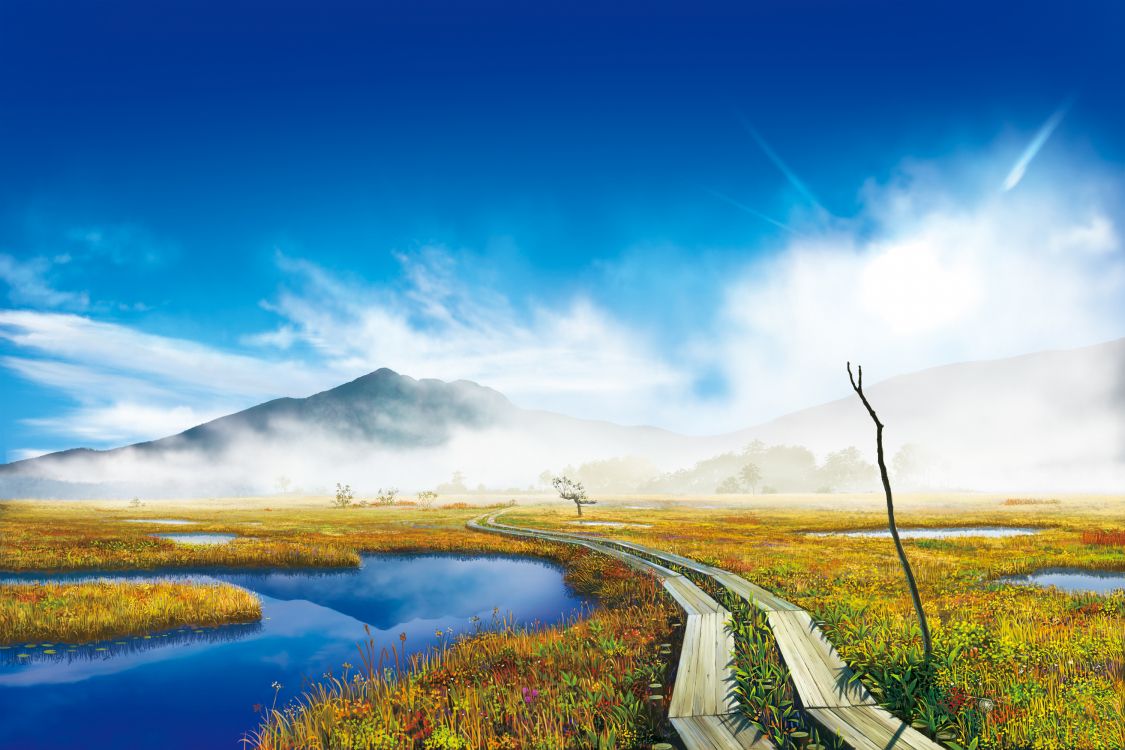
column 1014, row 666
column 83, row 612
column 584, row 684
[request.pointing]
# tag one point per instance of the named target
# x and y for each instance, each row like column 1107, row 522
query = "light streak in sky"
column 1037, row 143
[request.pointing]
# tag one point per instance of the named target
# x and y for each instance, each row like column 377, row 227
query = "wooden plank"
column 682, row 697
column 871, row 728
column 820, row 677
column 719, row 733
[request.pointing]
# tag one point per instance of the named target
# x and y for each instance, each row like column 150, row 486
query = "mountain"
column 1050, row 421
column 381, row 429
column 1047, row 421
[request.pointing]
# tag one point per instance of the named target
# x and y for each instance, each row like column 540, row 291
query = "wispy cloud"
column 128, row 385
column 29, row 283
column 439, row 325
column 937, row 267
column 1019, row 169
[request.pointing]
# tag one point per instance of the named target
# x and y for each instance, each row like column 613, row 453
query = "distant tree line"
column 758, row 468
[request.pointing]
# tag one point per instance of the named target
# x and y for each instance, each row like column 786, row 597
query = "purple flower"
column 530, row 694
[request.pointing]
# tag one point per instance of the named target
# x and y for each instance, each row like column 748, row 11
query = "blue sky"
column 648, row 213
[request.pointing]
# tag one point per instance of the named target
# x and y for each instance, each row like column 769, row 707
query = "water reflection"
column 209, row 680
column 197, row 537
column 1073, row 580
column 24, row 654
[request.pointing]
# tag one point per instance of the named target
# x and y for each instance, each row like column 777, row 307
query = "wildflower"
column 530, row 694
column 276, row 685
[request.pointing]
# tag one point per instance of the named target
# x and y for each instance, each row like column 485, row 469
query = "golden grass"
column 1051, row 665
column 83, row 612
column 588, row 684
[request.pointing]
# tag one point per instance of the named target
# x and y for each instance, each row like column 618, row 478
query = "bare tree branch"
column 857, row 386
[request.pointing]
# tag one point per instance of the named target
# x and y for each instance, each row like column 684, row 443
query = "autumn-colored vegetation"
column 594, row 683
column 81, row 612
column 1014, row 666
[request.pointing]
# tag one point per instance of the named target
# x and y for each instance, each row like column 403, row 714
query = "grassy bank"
column 46, row 536
column 585, row 685
column 83, row 612
column 1015, row 666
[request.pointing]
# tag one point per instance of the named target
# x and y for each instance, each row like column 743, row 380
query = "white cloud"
column 942, row 271
column 577, row 358
column 129, row 385
column 28, row 284
column 123, row 422
column 937, row 267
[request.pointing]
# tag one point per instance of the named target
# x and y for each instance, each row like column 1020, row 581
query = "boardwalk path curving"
column 703, row 709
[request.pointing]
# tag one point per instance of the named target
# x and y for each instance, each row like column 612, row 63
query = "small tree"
column 568, row 489
column 911, row 584
column 344, row 495
column 426, row 498
column 729, row 486
column 750, row 476
column 386, row 496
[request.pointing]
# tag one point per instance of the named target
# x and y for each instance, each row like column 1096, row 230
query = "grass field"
column 1015, row 667
column 84, row 612
column 585, row 685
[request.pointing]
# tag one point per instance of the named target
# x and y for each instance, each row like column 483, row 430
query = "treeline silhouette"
column 757, row 468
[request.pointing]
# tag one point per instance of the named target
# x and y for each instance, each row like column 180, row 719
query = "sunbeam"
column 1019, row 169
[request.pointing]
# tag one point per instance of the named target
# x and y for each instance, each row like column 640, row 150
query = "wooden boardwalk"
column 703, row 709
column 708, row 720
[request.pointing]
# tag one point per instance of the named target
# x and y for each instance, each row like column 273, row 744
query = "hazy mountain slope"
column 1046, row 421
column 1050, row 420
column 378, row 430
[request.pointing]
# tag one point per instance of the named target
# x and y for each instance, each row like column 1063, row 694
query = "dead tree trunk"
column 927, row 645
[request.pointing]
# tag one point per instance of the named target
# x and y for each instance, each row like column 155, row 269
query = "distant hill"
column 383, row 428
column 1050, row 421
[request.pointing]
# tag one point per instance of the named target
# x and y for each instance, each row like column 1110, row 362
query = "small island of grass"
column 84, row 612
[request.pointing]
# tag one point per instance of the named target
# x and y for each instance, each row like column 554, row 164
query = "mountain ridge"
column 385, row 420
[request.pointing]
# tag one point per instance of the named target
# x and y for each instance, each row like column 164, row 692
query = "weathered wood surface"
column 822, row 680
column 728, row 732
column 871, row 728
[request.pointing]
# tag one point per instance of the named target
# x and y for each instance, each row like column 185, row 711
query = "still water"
column 1073, row 580
column 203, row 687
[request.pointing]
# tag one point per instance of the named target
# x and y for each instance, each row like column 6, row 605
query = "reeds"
column 1015, row 667
column 583, row 684
column 82, row 612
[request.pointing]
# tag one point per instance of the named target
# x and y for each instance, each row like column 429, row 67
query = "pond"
column 204, row 687
column 953, row 532
column 197, row 537
column 1073, row 580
